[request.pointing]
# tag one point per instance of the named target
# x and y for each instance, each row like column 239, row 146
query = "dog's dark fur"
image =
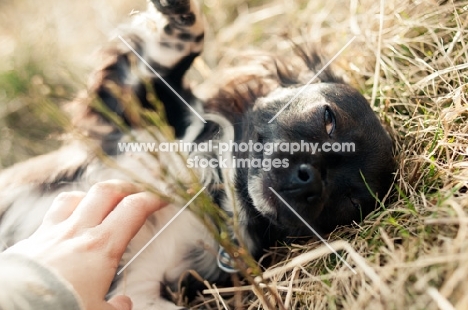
column 326, row 189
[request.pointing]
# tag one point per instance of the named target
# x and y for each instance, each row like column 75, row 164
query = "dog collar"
column 225, row 261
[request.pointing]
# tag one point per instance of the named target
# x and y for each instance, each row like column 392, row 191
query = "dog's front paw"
column 171, row 7
column 180, row 12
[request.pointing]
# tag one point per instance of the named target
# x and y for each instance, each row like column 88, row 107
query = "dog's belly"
column 25, row 208
column 184, row 244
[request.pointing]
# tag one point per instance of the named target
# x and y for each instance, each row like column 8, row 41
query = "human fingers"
column 128, row 218
column 101, row 199
column 62, row 207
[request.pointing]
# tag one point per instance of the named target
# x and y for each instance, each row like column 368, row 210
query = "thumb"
column 121, row 302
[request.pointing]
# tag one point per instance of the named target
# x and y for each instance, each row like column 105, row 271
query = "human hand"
column 84, row 235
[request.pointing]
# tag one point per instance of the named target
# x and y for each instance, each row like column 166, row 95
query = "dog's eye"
column 329, row 121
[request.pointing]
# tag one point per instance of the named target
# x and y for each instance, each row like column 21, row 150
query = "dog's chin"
column 284, row 216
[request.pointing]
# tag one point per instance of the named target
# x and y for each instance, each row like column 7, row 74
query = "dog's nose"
column 305, row 181
column 304, row 174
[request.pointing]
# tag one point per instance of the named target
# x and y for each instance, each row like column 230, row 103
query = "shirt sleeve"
column 28, row 285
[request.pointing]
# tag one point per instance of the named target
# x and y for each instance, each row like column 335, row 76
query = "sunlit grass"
column 410, row 254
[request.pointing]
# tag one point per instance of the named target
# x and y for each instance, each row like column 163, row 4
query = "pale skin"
column 84, row 235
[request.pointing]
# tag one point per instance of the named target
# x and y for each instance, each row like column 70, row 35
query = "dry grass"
column 409, row 59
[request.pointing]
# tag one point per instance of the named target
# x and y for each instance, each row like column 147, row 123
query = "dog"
column 271, row 104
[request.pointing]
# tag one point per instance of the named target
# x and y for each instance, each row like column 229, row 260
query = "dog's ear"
column 314, row 62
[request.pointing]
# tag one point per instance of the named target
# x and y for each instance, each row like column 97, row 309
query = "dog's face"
column 326, row 188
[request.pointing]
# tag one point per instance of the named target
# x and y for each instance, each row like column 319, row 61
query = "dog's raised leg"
column 160, row 45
